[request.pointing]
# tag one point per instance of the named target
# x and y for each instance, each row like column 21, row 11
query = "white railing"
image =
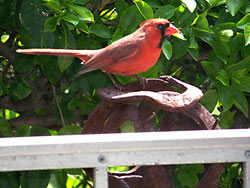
column 102, row 151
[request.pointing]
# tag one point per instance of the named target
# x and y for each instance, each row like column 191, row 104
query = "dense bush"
column 39, row 95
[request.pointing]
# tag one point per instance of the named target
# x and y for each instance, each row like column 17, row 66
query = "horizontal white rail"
column 101, row 151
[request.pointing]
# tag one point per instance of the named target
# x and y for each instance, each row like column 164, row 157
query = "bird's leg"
column 117, row 85
column 143, row 81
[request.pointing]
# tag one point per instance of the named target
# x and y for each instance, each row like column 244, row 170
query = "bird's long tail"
column 84, row 55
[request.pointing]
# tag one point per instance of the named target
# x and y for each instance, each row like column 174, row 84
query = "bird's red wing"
column 117, row 52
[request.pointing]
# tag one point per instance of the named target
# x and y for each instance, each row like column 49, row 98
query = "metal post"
column 100, row 177
column 247, row 174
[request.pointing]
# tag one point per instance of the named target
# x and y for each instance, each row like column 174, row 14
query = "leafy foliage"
column 214, row 57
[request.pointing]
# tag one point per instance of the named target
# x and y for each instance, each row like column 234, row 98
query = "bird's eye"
column 160, row 26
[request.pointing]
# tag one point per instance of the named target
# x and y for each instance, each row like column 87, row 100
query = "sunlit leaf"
column 145, row 9
column 54, row 5
column 71, row 18
column 191, row 4
column 225, row 35
column 247, row 34
column 85, row 13
column 245, row 20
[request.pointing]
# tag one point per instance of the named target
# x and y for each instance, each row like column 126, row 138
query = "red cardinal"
column 128, row 56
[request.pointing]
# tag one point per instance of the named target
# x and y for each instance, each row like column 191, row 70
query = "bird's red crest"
column 155, row 20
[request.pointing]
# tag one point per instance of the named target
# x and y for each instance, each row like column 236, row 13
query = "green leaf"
column 80, row 2
column 82, row 26
column 179, row 48
column 193, row 43
column 204, row 36
column 130, row 19
column 219, row 50
column 214, row 3
column 153, row 3
column 242, row 83
column 9, row 179
column 201, row 23
column 191, row 4
column 234, row 6
column 39, row 131
column 145, row 9
column 226, row 34
column 94, row 80
column 74, row 103
column 81, row 83
column 225, row 96
column 183, row 17
column 247, row 34
column 210, row 99
column 23, row 63
column 86, row 14
column 54, row 5
column 86, row 106
column 23, row 130
column 121, row 6
column 245, row 63
column 239, row 73
column 67, row 114
column 211, row 69
column 241, row 102
column 64, row 62
column 223, row 77
column 227, row 25
column 70, row 130
column 196, row 168
column 35, row 179
column 5, row 129
column 32, row 18
column 187, row 178
column 118, row 34
column 67, row 41
column 71, row 18
column 194, row 53
column 245, row 20
column 166, row 12
column 127, row 127
column 50, row 68
column 100, row 30
column 50, row 24
column 167, row 49
column 19, row 89
column 227, row 119
column 47, row 40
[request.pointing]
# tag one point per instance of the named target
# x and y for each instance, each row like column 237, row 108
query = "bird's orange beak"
column 171, row 30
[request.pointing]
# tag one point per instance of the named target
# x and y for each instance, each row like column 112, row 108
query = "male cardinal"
column 128, row 56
